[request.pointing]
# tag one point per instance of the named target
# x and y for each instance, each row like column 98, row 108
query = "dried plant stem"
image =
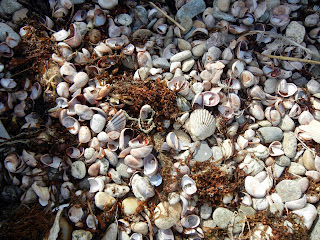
column 276, row 35
column 291, row 58
column 167, row 16
column 91, row 212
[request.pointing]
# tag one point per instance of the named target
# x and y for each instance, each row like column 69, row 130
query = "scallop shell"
column 117, row 122
column 202, row 123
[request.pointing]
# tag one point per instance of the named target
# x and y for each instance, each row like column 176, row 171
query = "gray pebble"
column 270, row 134
column 78, row 169
column 161, row 63
column 205, row 211
column 270, row 85
column 277, row 209
column 289, row 144
column 187, row 65
column 179, row 57
column 111, row 233
column 222, row 217
column 283, row 161
column 9, row 6
column 122, row 169
column 248, row 210
column 81, row 235
column 209, row 224
column 295, row 31
column 288, row 190
column 183, row 45
column 278, row 170
column 287, row 124
column 203, row 152
column 191, row 9
column 297, row 168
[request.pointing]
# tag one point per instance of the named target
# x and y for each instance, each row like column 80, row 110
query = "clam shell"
column 191, row 221
column 117, row 122
column 124, row 138
column 133, row 162
column 142, row 151
column 188, row 185
column 202, row 123
column 96, row 184
column 84, row 134
column 172, row 140
column 150, row 165
column 13, row 163
column 71, row 124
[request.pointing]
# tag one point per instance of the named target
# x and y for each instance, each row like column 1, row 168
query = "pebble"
column 130, row 205
column 222, row 217
column 9, row 6
column 209, row 224
column 309, row 214
column 184, row 45
column 191, row 9
column 308, row 160
column 283, row 161
column 116, row 177
column 81, row 235
column 186, row 22
column 88, row 153
column 203, row 152
column 270, row 134
column 289, row 144
column 260, row 204
column 111, row 233
column 277, row 209
column 213, row 54
column 278, row 170
column 108, row 4
column 315, row 233
column 198, row 50
column 102, row 200
column 5, row 31
column 140, row 227
column 287, row 124
column 78, row 169
column 123, row 19
column 187, row 65
column 122, row 169
column 238, row 223
column 248, row 210
column 303, row 184
column 19, row 15
column 179, row 57
column 270, row 85
column 223, row 5
column 297, row 168
column 97, row 123
column 217, row 153
column 295, row 31
column 205, row 211
column 161, row 63
column 116, row 190
column 166, row 215
column 288, row 190
column 123, row 235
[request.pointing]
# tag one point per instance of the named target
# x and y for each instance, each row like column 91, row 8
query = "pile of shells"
column 248, row 95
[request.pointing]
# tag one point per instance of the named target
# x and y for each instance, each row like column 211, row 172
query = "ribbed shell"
column 117, row 122
column 202, row 123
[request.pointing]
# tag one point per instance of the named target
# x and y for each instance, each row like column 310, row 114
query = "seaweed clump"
column 27, row 222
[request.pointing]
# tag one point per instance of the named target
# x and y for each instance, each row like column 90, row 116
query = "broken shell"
column 191, row 221
column 96, row 184
column 75, row 37
column 53, row 162
column 13, row 163
column 117, row 122
column 188, row 185
column 202, row 123
column 150, row 165
column 172, row 140
column 275, row 149
column 141, row 187
column 133, row 162
column 142, row 151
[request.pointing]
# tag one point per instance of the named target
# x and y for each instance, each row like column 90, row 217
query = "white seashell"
column 97, row 123
column 8, row 83
column 297, row 204
column 202, row 123
column 133, row 162
column 141, row 152
column 248, row 79
column 29, row 158
column 60, row 35
column 305, row 118
column 312, row 129
column 210, row 99
column 165, row 234
column 188, row 185
column 273, row 116
column 83, row 111
column 96, row 184
column 84, row 134
column 66, row 189
column 150, row 164
column 36, row 91
column 13, row 163
column 79, row 80
column 145, row 111
column 63, row 89
column 141, row 187
column 99, row 18
column 190, row 221
column 172, row 140
column 117, row 122
column 68, row 71
column 75, row 213
column 242, row 142
column 53, row 162
column 275, row 149
column 71, row 124
column 309, row 214
column 75, row 37
column 42, row 193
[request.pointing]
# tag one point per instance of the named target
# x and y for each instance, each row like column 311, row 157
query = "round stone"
column 166, row 215
column 222, row 217
column 102, row 200
column 295, row 31
column 288, row 190
column 130, row 205
column 78, row 169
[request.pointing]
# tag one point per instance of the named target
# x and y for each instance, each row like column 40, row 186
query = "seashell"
column 242, row 142
column 5, row 50
column 8, row 83
column 295, row 111
column 248, row 79
column 190, row 221
column 91, row 221
column 75, row 37
column 145, row 111
column 136, row 236
column 141, row 187
column 96, row 184
column 60, row 35
column 117, row 122
column 210, row 99
column 275, row 149
column 63, row 89
column 208, row 18
column 94, row 169
column 202, row 123
column 36, row 91
column 84, row 134
column 188, row 185
column 53, row 162
column 99, row 18
column 29, row 158
column 133, row 162
column 75, row 213
column 238, row 67
column 79, row 80
column 83, row 111
column 312, row 129
column 256, row 110
column 42, row 193
column 111, row 156
column 13, row 163
column 150, row 165
column 285, row 89
column 68, row 71
column 97, row 123
column 165, row 234
column 273, row 116
column 66, row 189
column 141, row 152
column 115, row 43
column 172, row 140
column 73, row 152
column 305, row 118
column 113, row 30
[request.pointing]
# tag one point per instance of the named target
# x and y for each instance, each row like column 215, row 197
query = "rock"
column 141, row 19
column 264, row 123
column 289, row 144
column 287, row 124
column 97, row 123
column 191, row 9
column 270, row 85
column 270, row 134
column 102, row 200
column 260, row 204
column 81, row 235
column 116, row 190
column 309, row 214
column 140, row 227
column 249, row 211
column 123, row 235
column 217, row 154
column 19, row 15
column 278, row 170
column 122, row 169
column 209, row 224
column 166, row 215
column 78, row 1
column 142, row 34
column 203, row 152
column 238, row 223
column 187, row 65
column 213, row 54
column 84, row 184
column 295, row 31
column 5, row 31
column 297, row 168
column 272, row 3
column 108, row 4
column 283, row 161
column 116, row 177
column 179, row 57
column 186, row 22
column 9, row 6
column 205, row 211
column 78, row 169
column 223, row 5
column 123, row 19
column 88, row 153
column 308, row 160
column 222, row 217
column 111, row 233
column 303, row 184
column 161, row 63
column 276, row 209
column 288, row 190
column 183, row 45
column 130, row 205
column 315, row 233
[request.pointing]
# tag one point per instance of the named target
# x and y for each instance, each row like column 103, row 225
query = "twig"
column 93, row 217
column 276, row 35
column 167, row 16
column 290, row 58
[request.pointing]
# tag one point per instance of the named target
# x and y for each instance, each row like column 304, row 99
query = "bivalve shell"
column 117, row 122
column 202, row 123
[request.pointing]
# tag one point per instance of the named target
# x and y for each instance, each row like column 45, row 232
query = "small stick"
column 93, row 217
column 291, row 59
column 167, row 16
